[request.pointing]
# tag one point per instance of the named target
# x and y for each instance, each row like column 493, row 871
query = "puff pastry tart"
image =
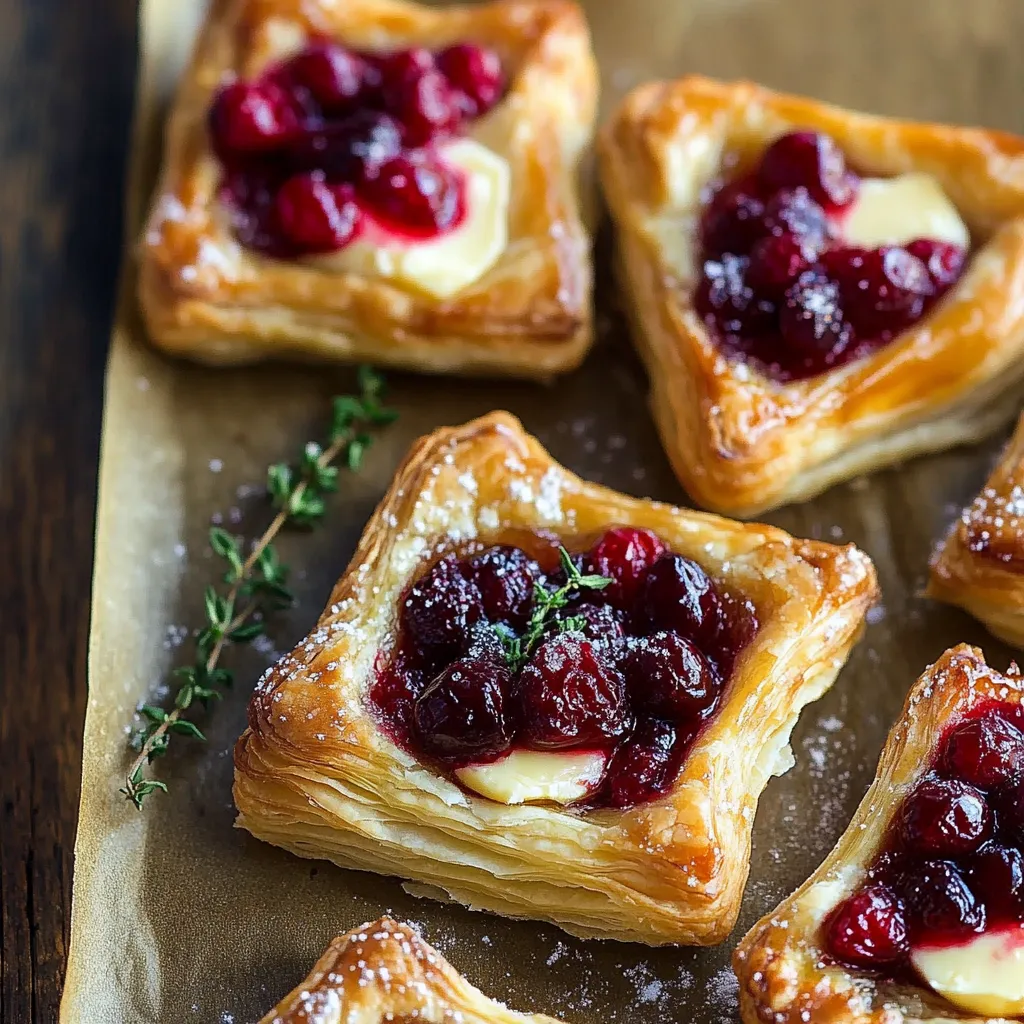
column 918, row 912
column 541, row 698
column 384, row 972
column 980, row 567
column 377, row 180
column 817, row 293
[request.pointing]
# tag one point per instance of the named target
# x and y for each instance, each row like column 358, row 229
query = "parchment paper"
column 179, row 917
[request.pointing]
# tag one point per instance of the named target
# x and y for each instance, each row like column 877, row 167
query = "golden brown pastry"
column 740, row 440
column 980, row 567
column 911, row 917
column 318, row 775
column 384, row 972
column 208, row 297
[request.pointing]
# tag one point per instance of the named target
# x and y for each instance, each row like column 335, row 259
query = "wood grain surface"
column 66, row 74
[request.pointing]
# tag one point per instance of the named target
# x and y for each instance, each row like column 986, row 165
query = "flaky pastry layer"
column 317, row 775
column 783, row 976
column 206, row 297
column 384, row 973
column 739, row 442
column 980, row 567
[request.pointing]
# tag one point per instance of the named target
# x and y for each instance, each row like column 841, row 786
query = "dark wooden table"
column 66, row 77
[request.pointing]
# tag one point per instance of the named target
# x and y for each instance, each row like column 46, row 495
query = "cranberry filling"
column 624, row 649
column 321, row 140
column 778, row 286
column 952, row 864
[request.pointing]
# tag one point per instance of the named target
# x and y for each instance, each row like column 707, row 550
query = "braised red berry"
column 598, row 622
column 733, row 219
column 944, row 261
column 334, row 76
column 795, row 214
column 869, row 929
column 461, row 714
column 314, row 217
column 775, row 263
column 678, row 596
column 418, row 95
column 884, row 290
column 811, row 318
column 419, row 196
column 251, row 118
column 350, row 149
column 646, row 764
column 939, row 902
column 623, row 555
column 811, row 160
column 568, row 695
column 668, row 676
column 724, row 297
column 440, row 610
column 475, row 73
column 997, row 879
column 944, row 817
column 985, row 751
column 506, row 577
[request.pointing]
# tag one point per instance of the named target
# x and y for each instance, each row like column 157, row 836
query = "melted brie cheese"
column 530, row 776
column 894, row 211
column 984, row 974
column 444, row 265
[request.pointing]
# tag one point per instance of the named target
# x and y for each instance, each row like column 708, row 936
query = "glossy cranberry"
column 733, row 219
column 461, row 714
column 668, row 676
column 440, row 610
column 418, row 95
column 869, row 929
column 944, row 261
column 598, row 622
column 569, row 696
column 775, row 263
column 505, row 577
column 997, row 879
column 623, row 555
column 349, row 150
column 725, row 297
column 883, row 290
column 334, row 76
column 811, row 318
column 944, row 817
column 812, row 160
column 795, row 214
column 738, row 625
column 985, row 751
column 475, row 74
column 413, row 195
column 313, row 216
column 646, row 764
column 1009, row 803
column 249, row 117
column 939, row 902
column 678, row 596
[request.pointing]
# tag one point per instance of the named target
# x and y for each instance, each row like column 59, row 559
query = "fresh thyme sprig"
column 256, row 583
column 546, row 602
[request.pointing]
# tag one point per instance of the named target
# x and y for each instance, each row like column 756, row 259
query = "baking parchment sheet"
column 180, row 917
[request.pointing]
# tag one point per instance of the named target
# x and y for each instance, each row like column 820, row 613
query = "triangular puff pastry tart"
column 916, row 915
column 377, row 180
column 324, row 772
column 384, row 973
column 742, row 434
column 980, row 566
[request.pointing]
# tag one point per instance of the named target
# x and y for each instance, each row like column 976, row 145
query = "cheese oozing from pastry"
column 533, row 776
column 894, row 211
column 983, row 975
column 445, row 265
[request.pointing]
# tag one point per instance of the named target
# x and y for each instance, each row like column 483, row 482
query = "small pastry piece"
column 817, row 293
column 377, row 180
column 385, row 972
column 980, row 567
column 493, row 720
column 918, row 912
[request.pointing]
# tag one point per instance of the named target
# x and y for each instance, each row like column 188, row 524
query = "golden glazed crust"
column 316, row 775
column 782, row 977
column 384, row 972
column 980, row 567
column 206, row 297
column 741, row 443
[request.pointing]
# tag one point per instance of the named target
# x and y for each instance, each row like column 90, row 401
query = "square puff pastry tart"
column 739, row 442
column 315, row 772
column 785, row 976
column 384, row 972
column 980, row 567
column 206, row 297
